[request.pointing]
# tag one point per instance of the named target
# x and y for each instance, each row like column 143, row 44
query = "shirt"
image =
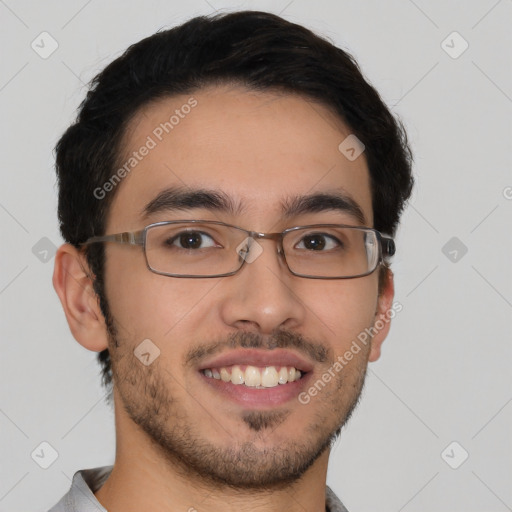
column 80, row 497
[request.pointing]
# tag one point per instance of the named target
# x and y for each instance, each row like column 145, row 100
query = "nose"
column 263, row 295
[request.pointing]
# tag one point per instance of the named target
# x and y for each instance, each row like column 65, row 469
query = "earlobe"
column 383, row 316
column 74, row 286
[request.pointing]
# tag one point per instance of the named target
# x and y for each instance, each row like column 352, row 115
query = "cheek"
column 140, row 300
column 342, row 309
column 147, row 305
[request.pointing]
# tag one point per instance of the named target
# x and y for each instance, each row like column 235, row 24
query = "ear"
column 383, row 316
column 74, row 286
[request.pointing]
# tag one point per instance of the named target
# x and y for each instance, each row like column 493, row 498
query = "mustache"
column 278, row 339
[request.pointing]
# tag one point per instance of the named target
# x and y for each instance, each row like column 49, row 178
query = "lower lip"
column 258, row 398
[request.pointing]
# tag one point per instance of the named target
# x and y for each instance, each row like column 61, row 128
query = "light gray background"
column 444, row 374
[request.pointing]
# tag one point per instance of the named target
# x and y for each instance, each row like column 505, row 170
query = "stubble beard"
column 147, row 396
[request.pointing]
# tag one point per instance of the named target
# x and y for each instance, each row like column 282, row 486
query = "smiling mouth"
column 255, row 376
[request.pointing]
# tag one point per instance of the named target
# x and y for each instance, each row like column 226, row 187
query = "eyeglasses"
column 204, row 248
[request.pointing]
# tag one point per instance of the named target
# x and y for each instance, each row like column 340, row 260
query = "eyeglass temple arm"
column 133, row 238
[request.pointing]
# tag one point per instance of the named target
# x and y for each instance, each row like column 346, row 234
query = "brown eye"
column 314, row 242
column 318, row 242
column 191, row 240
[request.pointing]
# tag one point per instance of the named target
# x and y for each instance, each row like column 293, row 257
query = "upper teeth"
column 253, row 376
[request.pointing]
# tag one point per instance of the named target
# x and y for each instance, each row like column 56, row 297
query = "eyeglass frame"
column 386, row 245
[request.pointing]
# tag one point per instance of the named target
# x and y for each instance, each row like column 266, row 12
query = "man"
column 228, row 194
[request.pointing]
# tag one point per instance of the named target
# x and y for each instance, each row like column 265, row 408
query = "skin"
column 180, row 444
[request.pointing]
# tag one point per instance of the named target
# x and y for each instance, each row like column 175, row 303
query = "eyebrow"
column 180, row 199
column 322, row 202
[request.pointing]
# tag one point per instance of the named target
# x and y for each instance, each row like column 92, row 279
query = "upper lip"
column 255, row 357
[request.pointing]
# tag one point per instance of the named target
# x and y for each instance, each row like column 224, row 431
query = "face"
column 264, row 152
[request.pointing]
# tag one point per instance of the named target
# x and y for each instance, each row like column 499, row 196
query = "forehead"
column 259, row 148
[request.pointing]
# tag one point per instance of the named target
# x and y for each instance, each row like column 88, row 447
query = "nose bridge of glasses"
column 276, row 237
column 250, row 249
